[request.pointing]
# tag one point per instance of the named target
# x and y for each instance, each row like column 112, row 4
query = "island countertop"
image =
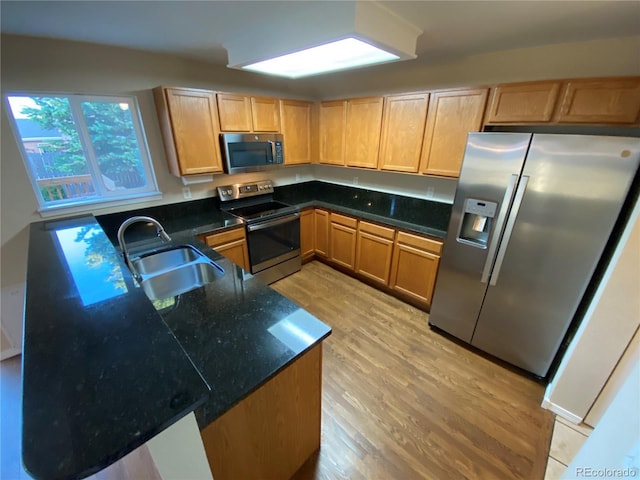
column 104, row 370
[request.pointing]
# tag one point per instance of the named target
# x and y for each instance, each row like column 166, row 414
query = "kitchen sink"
column 171, row 272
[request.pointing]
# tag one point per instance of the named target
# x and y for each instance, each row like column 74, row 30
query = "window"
column 81, row 149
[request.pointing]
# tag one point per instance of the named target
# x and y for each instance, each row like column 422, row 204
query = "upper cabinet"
column 296, row 118
column 332, row 124
column 242, row 113
column 189, row 122
column 452, row 115
column 604, row 101
column 531, row 102
column 364, row 120
column 402, row 131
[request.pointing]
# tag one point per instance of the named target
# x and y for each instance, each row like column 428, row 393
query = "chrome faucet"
column 123, row 246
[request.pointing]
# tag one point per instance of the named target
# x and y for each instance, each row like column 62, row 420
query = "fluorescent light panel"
column 339, row 55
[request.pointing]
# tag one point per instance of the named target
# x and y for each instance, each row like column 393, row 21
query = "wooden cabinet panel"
column 414, row 269
column 189, row 123
column 342, row 238
column 374, row 252
column 232, row 244
column 321, row 232
column 307, row 234
column 265, row 114
column 364, row 121
column 452, row 115
column 531, row 102
column 295, row 117
column 235, row 112
column 333, row 121
column 614, row 101
column 402, row 132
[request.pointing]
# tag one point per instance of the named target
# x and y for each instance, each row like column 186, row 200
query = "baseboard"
column 558, row 410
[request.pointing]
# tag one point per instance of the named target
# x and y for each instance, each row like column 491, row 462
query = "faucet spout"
column 123, row 246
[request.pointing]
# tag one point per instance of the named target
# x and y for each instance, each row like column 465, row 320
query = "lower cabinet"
column 307, row 233
column 321, row 232
column 374, row 252
column 342, row 241
column 414, row 266
column 232, row 244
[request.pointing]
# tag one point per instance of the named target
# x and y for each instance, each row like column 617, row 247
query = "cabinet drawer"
column 215, row 239
column 373, row 229
column 343, row 220
column 420, row 242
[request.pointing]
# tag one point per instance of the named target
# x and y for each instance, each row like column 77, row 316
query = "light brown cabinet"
column 374, row 252
column 529, row 102
column 414, row 266
column 452, row 115
column 402, row 132
column 189, row 122
column 332, row 125
column 602, row 101
column 243, row 113
column 232, row 244
column 295, row 117
column 321, row 232
column 307, row 234
column 342, row 240
column 362, row 141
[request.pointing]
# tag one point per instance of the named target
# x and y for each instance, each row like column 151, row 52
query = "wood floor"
column 403, row 402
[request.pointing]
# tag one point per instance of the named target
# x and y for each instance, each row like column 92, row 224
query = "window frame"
column 103, row 198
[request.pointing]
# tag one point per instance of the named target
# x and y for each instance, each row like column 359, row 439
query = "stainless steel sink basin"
column 171, row 272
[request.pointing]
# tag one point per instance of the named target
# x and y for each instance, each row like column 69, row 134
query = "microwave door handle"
column 273, row 150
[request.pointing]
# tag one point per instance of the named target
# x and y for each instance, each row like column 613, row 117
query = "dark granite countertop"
column 104, row 371
column 407, row 213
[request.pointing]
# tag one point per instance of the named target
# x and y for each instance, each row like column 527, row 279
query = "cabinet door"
column 452, row 115
column 265, row 114
column 614, row 101
column 232, row 244
column 190, row 130
column 321, row 232
column 414, row 266
column 531, row 102
column 402, row 132
column 235, row 112
column 333, row 120
column 364, row 121
column 374, row 252
column 307, row 221
column 296, row 127
column 342, row 238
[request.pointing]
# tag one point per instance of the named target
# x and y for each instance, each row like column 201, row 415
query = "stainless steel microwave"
column 250, row 152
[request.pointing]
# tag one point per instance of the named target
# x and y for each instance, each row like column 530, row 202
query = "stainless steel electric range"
column 273, row 228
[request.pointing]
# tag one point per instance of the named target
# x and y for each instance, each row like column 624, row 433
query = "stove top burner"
column 262, row 210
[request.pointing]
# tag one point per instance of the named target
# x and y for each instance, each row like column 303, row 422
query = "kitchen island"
column 105, row 369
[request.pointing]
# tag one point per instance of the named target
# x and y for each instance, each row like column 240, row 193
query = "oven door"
column 273, row 241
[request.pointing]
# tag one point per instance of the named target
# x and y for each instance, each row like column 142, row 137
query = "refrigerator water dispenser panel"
column 476, row 222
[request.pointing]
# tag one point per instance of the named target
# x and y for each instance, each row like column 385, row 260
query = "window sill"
column 91, row 205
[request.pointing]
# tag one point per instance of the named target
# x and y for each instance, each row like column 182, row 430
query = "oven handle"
column 273, row 223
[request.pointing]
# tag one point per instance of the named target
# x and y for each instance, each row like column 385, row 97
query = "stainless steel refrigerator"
column 531, row 217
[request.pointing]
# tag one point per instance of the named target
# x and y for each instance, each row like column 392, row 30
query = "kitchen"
column 38, row 65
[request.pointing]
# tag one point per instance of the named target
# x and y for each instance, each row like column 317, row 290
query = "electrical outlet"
column 186, row 192
column 430, row 192
column 355, row 180
column 297, row 177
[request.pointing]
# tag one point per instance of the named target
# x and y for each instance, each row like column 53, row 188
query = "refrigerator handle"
column 517, row 201
column 504, row 209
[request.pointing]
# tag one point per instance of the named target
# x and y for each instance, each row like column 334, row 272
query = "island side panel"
column 273, row 431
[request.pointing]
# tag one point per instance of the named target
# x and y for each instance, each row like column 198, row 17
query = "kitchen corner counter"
column 408, row 213
column 104, row 370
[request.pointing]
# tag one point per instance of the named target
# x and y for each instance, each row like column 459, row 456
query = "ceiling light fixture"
column 325, row 37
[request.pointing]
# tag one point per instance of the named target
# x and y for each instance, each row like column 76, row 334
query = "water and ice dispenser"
column 477, row 219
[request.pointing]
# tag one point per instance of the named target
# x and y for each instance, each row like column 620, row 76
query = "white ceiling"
column 199, row 29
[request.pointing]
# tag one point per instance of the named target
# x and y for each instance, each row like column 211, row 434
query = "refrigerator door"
column 491, row 168
column 571, row 192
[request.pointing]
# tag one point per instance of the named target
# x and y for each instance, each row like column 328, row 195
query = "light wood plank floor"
column 401, row 401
